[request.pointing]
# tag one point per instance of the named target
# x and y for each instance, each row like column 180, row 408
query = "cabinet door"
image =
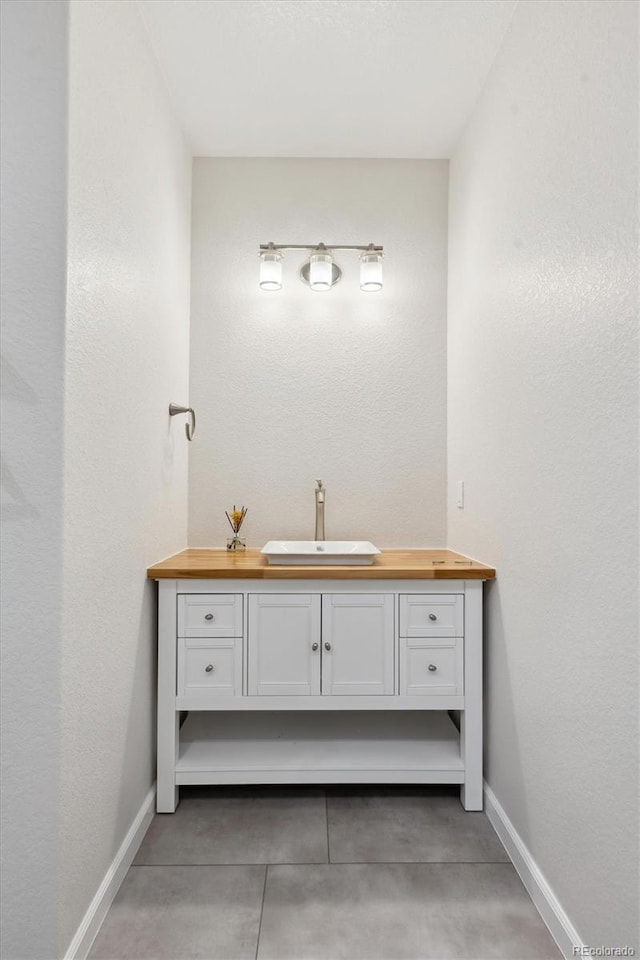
column 357, row 644
column 283, row 645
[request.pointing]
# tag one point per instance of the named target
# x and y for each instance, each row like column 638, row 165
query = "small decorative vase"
column 235, row 543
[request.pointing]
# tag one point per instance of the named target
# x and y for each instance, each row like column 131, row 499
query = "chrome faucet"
column 320, row 492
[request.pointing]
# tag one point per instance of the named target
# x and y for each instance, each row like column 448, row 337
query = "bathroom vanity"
column 319, row 674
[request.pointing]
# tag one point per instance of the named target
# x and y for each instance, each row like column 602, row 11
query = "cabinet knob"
column 327, row 645
column 432, row 667
column 209, row 616
column 209, row 668
column 314, row 646
column 432, row 616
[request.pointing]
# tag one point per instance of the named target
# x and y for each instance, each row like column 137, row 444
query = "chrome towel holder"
column 189, row 428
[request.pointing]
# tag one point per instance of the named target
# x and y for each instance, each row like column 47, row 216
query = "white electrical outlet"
column 460, row 495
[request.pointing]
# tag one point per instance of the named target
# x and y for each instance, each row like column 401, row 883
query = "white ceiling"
column 325, row 78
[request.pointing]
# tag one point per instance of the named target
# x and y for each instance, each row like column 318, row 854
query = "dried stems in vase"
column 235, row 519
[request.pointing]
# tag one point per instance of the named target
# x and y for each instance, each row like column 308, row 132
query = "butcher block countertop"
column 202, row 564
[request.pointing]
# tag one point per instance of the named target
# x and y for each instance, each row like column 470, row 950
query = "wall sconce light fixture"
column 320, row 272
column 270, row 269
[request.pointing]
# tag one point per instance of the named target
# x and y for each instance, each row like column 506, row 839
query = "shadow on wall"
column 501, row 734
column 141, row 713
column 15, row 504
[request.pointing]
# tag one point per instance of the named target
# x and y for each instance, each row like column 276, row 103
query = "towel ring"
column 189, row 428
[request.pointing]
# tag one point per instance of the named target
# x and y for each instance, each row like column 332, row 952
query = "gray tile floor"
column 346, row 873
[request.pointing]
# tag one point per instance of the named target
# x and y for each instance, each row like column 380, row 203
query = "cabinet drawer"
column 436, row 615
column 210, row 615
column 213, row 668
column 431, row 670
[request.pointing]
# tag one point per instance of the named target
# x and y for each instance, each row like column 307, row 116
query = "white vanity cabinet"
column 314, row 678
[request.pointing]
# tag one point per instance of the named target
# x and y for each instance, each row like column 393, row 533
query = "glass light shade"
column 371, row 272
column 271, row 270
column 320, row 272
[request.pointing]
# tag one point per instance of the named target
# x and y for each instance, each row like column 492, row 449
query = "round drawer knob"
column 314, row 646
column 432, row 667
column 208, row 616
column 327, row 645
column 209, row 668
column 432, row 616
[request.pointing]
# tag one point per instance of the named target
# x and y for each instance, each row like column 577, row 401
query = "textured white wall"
column 293, row 385
column 543, row 428
column 125, row 461
column 34, row 199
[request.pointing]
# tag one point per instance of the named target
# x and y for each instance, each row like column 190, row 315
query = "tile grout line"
column 333, row 863
column 264, row 890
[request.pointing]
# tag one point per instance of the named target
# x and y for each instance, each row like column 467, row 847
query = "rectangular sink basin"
column 320, row 552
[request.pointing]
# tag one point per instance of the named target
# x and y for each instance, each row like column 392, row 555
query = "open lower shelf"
column 286, row 747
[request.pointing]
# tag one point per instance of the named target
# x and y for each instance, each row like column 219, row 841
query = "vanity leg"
column 167, row 791
column 471, row 794
column 168, row 716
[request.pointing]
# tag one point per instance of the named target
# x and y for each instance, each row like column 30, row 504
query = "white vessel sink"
column 320, row 552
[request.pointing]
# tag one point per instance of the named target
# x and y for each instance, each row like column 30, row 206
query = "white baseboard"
column 97, row 911
column 549, row 907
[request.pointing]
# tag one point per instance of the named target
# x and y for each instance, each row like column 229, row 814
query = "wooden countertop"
column 201, row 564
